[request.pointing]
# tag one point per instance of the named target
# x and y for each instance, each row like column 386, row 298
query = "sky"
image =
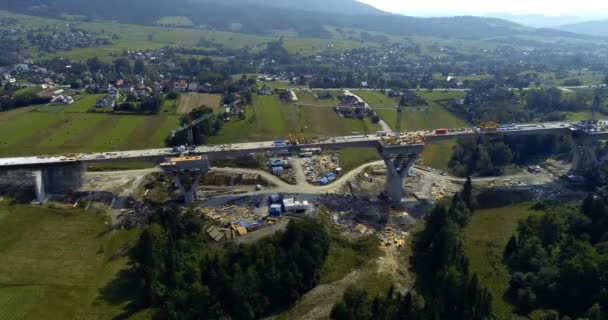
column 480, row 7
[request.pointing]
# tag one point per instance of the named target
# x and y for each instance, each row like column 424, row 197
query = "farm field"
column 485, row 239
column 62, row 263
column 432, row 116
column 40, row 130
column 190, row 101
column 139, row 37
column 270, row 119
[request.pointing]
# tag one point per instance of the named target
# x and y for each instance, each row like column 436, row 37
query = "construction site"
column 285, row 179
column 242, row 205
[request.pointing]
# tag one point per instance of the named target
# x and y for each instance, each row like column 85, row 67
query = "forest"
column 184, row 276
column 489, row 155
column 558, row 261
column 445, row 289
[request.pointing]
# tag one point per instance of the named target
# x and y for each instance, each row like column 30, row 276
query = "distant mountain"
column 538, row 20
column 348, row 7
column 268, row 16
column 592, row 28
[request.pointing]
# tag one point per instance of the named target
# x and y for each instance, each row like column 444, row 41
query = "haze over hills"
column 592, row 28
column 539, row 20
column 266, row 17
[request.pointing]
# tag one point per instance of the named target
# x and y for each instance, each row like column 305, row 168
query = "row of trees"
column 445, row 288
column 25, row 99
column 184, row 277
column 489, row 155
column 489, row 100
column 147, row 105
column 558, row 260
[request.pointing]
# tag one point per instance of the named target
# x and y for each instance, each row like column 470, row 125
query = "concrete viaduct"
column 56, row 174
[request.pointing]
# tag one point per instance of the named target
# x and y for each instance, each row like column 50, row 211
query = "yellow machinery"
column 489, row 126
column 298, row 139
column 403, row 140
column 72, row 155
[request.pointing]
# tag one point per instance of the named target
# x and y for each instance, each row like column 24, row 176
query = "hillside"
column 349, row 7
column 592, row 28
column 538, row 20
column 238, row 16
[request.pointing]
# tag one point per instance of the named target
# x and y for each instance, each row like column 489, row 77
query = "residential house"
column 236, row 107
column 181, row 86
column 62, row 100
column 266, row 90
column 113, row 93
column 106, row 102
column 350, row 107
column 126, row 89
column 193, row 87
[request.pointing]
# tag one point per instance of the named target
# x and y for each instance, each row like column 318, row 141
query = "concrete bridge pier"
column 584, row 155
column 187, row 183
column 187, row 173
column 57, row 179
column 398, row 165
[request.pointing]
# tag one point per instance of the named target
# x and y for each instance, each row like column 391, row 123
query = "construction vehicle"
column 72, row 156
column 295, row 140
column 488, row 126
column 189, row 125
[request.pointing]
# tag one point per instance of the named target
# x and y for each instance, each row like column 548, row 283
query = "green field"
column 485, row 239
column 437, row 155
column 57, row 129
column 61, row 264
column 377, row 99
column 190, row 101
column 351, row 158
column 432, row 116
column 270, row 119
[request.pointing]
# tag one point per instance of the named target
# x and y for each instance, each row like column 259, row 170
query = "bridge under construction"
column 61, row 173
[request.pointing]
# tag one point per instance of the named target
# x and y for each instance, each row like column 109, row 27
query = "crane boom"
column 190, row 127
column 193, row 123
column 399, row 117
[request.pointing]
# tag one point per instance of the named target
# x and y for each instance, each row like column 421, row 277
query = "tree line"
column 445, row 288
column 184, row 276
column 558, row 261
column 489, row 155
column 10, row 101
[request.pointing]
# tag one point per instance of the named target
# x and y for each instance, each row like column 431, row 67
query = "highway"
column 237, row 149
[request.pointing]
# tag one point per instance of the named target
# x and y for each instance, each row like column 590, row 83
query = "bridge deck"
column 221, row 151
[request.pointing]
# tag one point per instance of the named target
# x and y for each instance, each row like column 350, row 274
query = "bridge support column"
column 398, row 167
column 187, row 188
column 584, row 156
column 52, row 180
column 187, row 174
